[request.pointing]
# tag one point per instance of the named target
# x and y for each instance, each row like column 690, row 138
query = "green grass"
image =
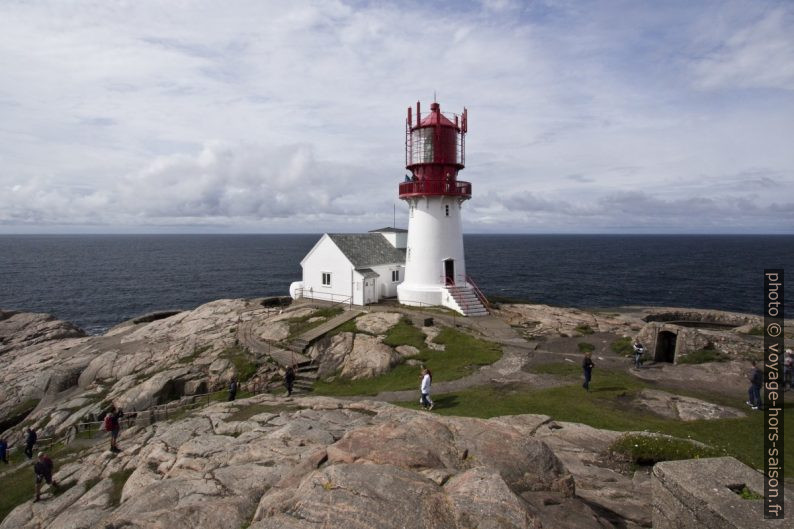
column 747, row 494
column 463, row 354
column 623, row 346
column 609, row 405
column 584, row 329
column 405, row 333
column 348, row 326
column 18, row 485
column 756, row 331
column 585, row 347
column 702, row 356
column 240, row 357
column 300, row 325
column 647, row 450
column 564, row 369
column 119, row 479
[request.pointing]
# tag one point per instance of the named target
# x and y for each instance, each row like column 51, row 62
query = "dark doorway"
column 665, row 347
column 449, row 271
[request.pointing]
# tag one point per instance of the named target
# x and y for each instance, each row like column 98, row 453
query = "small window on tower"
column 326, row 279
column 408, row 254
column 446, row 210
column 395, row 276
column 411, row 211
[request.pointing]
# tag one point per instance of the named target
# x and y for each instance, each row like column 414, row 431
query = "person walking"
column 788, row 370
column 587, row 369
column 756, row 378
column 43, row 470
column 424, row 388
column 639, row 350
column 112, row 426
column 3, row 450
column 30, row 441
column 233, row 389
column 289, row 380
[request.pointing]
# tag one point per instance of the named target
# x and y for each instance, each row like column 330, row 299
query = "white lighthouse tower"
column 435, row 269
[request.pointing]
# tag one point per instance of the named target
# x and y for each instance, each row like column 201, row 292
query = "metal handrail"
column 436, row 187
column 479, row 293
column 346, row 300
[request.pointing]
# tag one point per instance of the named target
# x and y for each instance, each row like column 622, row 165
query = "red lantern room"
column 435, row 150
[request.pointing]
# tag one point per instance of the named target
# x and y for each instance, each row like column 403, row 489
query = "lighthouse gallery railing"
column 436, row 187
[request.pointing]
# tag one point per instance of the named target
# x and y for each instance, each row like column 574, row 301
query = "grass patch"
column 119, row 479
column 348, row 326
column 240, row 357
column 702, row 356
column 562, row 369
column 405, row 333
column 623, row 346
column 584, row 329
column 647, row 450
column 463, row 354
column 300, row 325
column 18, row 485
column 758, row 330
column 609, row 406
column 746, row 494
column 585, row 347
column 249, row 411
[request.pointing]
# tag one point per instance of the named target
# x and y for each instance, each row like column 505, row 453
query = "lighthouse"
column 435, row 268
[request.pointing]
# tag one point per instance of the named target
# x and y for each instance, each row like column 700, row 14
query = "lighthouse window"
column 412, row 211
column 395, row 276
column 326, row 279
column 446, row 210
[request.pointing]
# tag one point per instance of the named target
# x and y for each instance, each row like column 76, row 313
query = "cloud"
column 288, row 116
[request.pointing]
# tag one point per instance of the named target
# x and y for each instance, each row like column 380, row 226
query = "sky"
column 198, row 116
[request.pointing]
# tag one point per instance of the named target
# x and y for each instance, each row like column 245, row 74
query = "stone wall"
column 699, row 493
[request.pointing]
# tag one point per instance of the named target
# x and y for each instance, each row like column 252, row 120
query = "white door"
column 370, row 295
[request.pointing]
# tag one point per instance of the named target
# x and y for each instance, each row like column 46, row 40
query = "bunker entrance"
column 665, row 347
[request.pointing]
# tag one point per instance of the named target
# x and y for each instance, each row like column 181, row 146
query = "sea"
column 98, row 281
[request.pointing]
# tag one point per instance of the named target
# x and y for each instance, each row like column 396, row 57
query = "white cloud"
column 288, row 116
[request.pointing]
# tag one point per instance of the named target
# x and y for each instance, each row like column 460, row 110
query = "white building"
column 366, row 267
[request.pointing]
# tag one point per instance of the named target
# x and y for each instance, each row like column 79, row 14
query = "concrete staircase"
column 464, row 299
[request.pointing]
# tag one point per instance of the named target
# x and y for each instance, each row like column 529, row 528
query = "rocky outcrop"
column 538, row 320
column 302, row 463
column 377, row 322
column 22, row 329
column 370, row 357
column 683, row 408
column 134, row 365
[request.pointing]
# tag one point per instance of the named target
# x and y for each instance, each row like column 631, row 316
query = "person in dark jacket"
column 289, row 380
column 3, row 450
column 43, row 471
column 113, row 427
column 30, row 441
column 587, row 369
column 233, row 389
column 756, row 377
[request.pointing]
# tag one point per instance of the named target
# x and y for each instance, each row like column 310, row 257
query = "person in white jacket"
column 427, row 378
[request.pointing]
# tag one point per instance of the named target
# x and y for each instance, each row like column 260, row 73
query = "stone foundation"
column 698, row 493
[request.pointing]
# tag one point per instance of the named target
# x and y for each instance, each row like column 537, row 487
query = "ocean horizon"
column 99, row 280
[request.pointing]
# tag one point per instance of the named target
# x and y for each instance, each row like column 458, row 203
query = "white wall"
column 432, row 238
column 327, row 257
column 396, row 239
column 387, row 288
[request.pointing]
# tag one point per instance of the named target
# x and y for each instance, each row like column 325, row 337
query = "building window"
column 326, row 279
column 446, row 210
column 408, row 255
column 395, row 276
column 411, row 211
